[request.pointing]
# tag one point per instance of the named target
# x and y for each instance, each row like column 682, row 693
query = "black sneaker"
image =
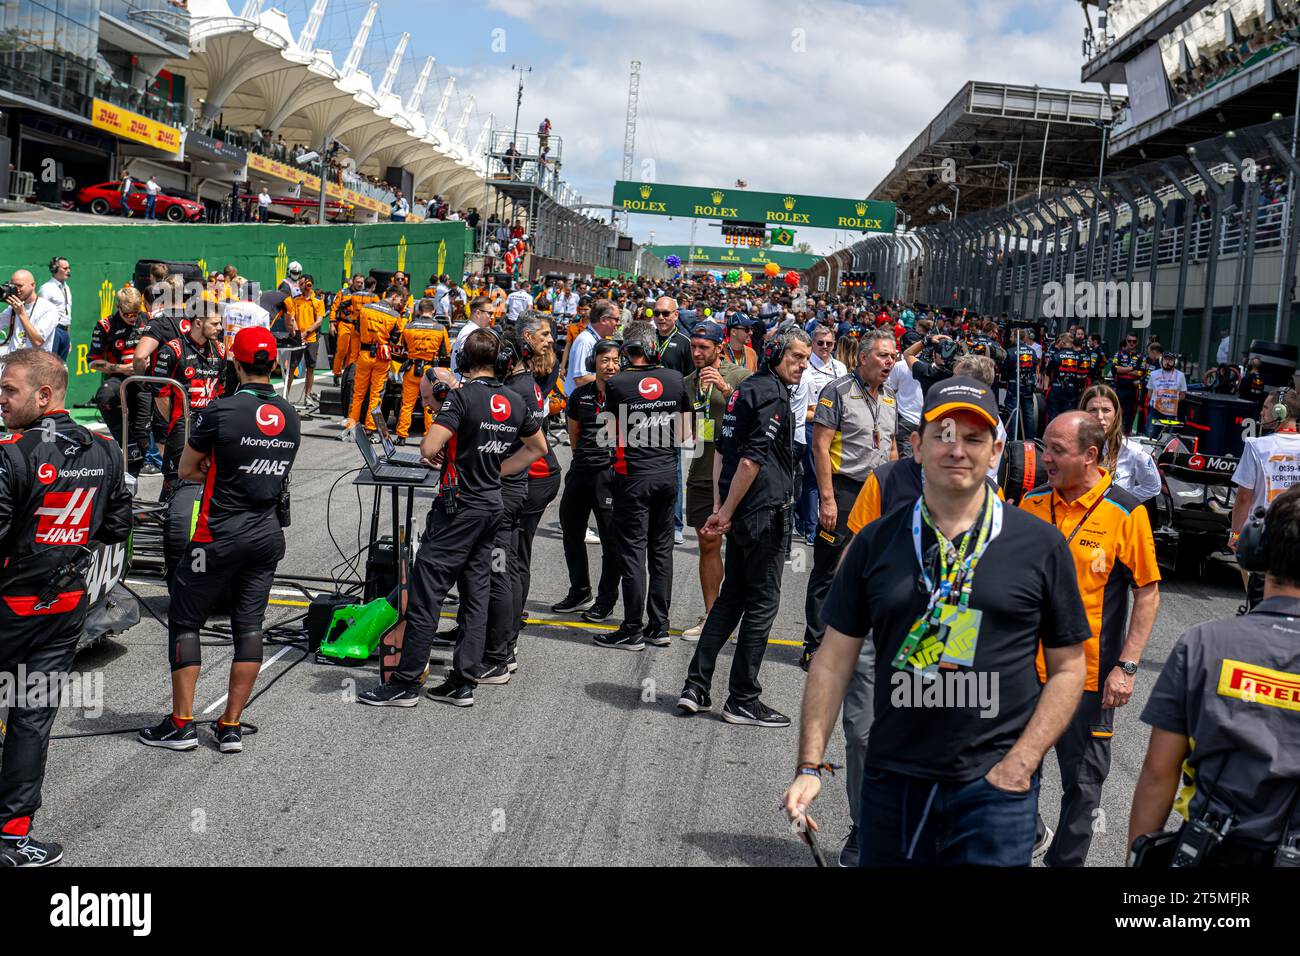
column 574, row 601
column 389, row 695
column 597, row 613
column 658, row 638
column 849, row 852
column 693, row 701
column 805, row 660
column 170, row 737
column 757, row 714
column 230, row 740
column 452, row 692
column 24, row 851
column 624, row 640
column 512, row 665
column 492, row 674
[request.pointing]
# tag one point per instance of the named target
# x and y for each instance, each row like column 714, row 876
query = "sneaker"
column 677, row 537
column 447, row 638
column 1043, row 844
column 170, row 737
column 150, row 469
column 512, row 665
column 805, row 660
column 574, row 601
column 452, row 692
column 623, row 639
column 692, row 634
column 693, row 701
column 757, row 714
column 492, row 674
column 389, row 695
column 230, row 740
column 811, row 540
column 849, row 851
column 592, row 537
column 597, row 613
column 658, row 638
column 24, row 851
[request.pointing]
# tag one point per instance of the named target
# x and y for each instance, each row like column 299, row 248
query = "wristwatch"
column 1129, row 667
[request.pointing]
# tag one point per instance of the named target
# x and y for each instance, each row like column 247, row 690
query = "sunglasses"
column 662, row 312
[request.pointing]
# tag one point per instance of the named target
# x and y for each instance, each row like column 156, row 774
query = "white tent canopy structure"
column 248, row 70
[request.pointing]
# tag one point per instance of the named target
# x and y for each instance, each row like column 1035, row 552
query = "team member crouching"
column 61, row 490
column 476, row 426
column 241, row 448
column 754, row 470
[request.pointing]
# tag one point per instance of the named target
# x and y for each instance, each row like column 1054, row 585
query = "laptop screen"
column 363, row 442
column 381, row 423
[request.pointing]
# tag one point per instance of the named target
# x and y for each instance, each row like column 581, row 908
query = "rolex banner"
column 778, row 209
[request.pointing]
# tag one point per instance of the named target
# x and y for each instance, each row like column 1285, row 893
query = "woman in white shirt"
column 1129, row 464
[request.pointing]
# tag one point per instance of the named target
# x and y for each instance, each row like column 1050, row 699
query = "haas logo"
column 650, row 388
column 65, row 517
column 270, row 420
column 500, row 407
column 46, row 473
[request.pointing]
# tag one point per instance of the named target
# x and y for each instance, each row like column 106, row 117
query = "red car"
column 106, row 200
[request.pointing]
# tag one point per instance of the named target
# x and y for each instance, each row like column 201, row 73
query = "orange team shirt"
column 306, row 313
column 424, row 343
column 498, row 299
column 1112, row 552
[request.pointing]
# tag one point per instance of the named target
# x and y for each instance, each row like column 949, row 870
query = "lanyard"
column 875, row 411
column 961, row 573
column 1082, row 521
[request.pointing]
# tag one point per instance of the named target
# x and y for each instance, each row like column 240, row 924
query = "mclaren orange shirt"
column 891, row 485
column 1110, row 541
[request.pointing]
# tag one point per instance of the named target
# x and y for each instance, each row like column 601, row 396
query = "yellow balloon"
column 746, row 278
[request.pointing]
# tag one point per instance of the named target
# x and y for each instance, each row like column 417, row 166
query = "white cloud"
column 812, row 98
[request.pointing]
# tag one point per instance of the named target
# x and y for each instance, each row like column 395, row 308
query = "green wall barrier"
column 103, row 259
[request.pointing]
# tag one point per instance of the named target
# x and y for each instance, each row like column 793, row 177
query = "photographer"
column 29, row 322
column 1230, row 686
column 940, row 352
column 241, row 449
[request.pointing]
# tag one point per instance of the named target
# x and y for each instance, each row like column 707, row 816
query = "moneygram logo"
column 46, row 473
column 270, row 420
column 499, row 407
column 650, row 388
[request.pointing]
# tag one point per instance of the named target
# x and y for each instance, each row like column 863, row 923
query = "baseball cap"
column 961, row 393
column 708, row 330
column 739, row 319
column 250, row 341
column 295, row 268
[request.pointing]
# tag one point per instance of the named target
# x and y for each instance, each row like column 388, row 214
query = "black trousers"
column 643, row 530
column 452, row 546
column 1083, row 753
column 750, row 597
column 827, row 548
column 541, row 492
column 1060, row 401
column 139, row 405
column 588, row 491
column 1128, row 403
column 502, row 617
column 43, row 644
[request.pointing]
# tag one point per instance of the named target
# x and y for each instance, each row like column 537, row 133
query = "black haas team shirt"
column 648, row 401
column 485, row 420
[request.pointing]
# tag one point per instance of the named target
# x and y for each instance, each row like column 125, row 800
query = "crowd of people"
column 900, row 442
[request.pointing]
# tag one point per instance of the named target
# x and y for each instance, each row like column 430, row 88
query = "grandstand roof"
column 988, row 123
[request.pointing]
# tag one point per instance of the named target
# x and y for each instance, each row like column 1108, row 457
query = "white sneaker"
column 677, row 537
column 592, row 537
column 692, row 634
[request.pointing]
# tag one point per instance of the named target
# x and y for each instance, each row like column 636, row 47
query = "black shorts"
column 699, row 503
column 242, row 568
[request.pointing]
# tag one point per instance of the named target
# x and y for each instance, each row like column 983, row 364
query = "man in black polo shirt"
column 961, row 720
column 674, row 347
column 754, row 466
column 474, row 431
column 588, row 488
column 648, row 402
column 196, row 359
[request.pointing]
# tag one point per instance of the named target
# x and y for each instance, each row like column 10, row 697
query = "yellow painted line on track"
column 550, row 622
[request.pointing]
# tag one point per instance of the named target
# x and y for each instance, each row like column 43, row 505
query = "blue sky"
column 814, row 98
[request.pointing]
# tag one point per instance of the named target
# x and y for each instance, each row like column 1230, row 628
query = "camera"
column 7, row 289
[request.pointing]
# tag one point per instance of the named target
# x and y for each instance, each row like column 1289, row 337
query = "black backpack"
column 1021, row 470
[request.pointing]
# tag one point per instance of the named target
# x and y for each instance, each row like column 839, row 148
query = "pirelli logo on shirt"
column 1259, row 685
column 826, row 401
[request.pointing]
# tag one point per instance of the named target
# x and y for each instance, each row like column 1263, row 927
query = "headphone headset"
column 1280, row 412
column 1252, row 543
column 54, row 263
column 604, row 345
column 774, row 349
column 505, row 361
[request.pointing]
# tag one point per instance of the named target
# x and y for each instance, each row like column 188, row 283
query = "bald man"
column 28, row 321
